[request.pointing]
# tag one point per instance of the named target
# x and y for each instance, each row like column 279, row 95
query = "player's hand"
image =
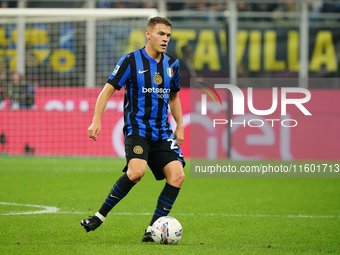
column 94, row 130
column 179, row 135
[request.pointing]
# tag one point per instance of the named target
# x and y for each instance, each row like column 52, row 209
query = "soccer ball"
column 166, row 230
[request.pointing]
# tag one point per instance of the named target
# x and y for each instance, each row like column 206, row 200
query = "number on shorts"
column 173, row 145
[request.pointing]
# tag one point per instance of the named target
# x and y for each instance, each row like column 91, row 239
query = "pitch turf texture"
column 219, row 216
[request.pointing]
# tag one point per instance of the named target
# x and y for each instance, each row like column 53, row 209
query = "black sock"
column 119, row 190
column 165, row 201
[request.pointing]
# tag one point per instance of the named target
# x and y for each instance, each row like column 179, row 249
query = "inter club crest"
column 157, row 79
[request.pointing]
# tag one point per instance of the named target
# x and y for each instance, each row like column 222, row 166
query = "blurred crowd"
column 19, row 92
column 200, row 5
column 201, row 10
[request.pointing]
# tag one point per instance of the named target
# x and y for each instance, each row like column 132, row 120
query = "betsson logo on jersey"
column 155, row 90
column 162, row 92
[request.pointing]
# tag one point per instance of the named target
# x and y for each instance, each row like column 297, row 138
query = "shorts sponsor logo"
column 138, row 149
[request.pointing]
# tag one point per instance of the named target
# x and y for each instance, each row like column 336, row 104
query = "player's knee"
column 135, row 175
column 177, row 180
column 180, row 179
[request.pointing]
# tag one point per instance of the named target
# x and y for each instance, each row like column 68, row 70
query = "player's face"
column 159, row 37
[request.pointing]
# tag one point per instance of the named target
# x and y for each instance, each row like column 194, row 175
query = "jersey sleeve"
column 121, row 73
column 175, row 87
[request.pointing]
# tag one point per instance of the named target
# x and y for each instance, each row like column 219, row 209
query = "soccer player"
column 151, row 81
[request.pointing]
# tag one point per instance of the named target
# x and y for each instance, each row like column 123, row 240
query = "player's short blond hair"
column 158, row 20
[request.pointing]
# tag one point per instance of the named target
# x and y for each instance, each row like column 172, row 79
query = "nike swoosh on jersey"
column 139, row 71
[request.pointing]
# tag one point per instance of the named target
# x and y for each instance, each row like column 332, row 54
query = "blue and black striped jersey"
column 148, row 84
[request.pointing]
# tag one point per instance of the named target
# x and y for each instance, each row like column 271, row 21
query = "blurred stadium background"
column 64, row 53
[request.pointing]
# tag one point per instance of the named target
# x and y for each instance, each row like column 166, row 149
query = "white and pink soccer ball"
column 166, row 230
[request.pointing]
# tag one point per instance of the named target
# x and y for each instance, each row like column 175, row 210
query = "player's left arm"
column 176, row 111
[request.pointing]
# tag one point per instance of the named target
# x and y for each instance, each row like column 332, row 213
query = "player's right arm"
column 101, row 103
column 115, row 82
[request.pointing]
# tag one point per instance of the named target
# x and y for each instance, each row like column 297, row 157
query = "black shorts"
column 157, row 153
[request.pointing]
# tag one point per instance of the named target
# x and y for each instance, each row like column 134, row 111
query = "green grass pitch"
column 219, row 216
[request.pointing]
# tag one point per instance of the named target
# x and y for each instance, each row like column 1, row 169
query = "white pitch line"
column 225, row 215
column 239, row 215
column 46, row 209
column 269, row 215
column 52, row 209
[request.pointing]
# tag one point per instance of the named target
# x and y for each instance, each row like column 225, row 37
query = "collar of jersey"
column 150, row 58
